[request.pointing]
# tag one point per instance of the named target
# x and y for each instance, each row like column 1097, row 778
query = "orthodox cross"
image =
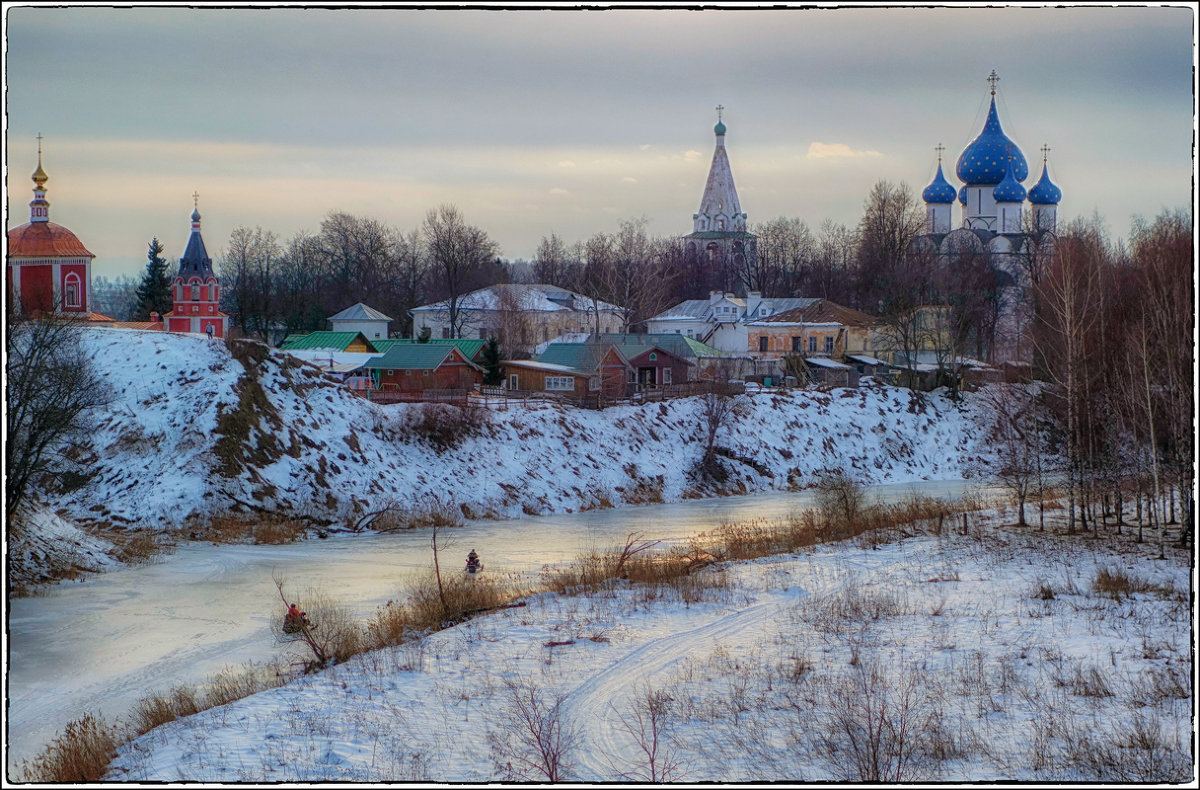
column 939, row 150
column 720, row 107
column 992, row 80
column 196, row 200
column 39, row 139
column 1045, row 151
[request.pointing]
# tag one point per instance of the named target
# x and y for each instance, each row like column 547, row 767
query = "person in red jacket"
column 295, row 620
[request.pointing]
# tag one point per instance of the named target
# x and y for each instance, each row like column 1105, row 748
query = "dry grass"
column 80, row 754
column 426, row 609
column 138, row 546
column 229, row 527
column 1115, row 583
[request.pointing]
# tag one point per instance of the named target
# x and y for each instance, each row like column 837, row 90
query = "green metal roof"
column 411, row 356
column 338, row 341
column 469, row 347
column 703, row 350
column 581, row 356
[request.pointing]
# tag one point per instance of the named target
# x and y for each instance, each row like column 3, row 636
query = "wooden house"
column 532, row 376
column 421, row 366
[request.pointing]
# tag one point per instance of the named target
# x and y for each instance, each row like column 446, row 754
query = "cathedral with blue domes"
column 1000, row 219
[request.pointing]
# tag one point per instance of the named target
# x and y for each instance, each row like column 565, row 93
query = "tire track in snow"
column 589, row 705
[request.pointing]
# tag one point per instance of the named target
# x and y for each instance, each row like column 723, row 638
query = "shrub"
column 534, row 738
column 80, row 754
column 235, row 683
column 1114, row 583
column 444, row 427
column 840, row 505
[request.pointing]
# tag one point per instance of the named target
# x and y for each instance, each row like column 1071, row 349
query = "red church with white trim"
column 197, row 294
column 47, row 267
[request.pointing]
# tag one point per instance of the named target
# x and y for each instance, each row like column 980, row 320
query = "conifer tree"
column 492, row 375
column 154, row 293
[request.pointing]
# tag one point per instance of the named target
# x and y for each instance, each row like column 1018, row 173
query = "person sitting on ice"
column 295, row 620
column 472, row 559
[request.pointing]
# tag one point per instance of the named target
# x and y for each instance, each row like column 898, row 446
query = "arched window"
column 195, row 293
column 71, row 290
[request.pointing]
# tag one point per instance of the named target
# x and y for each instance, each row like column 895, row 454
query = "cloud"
column 837, row 151
column 692, row 156
column 628, row 180
column 559, row 191
column 646, row 147
column 566, row 163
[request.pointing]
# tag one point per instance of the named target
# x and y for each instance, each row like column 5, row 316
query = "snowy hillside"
column 196, row 432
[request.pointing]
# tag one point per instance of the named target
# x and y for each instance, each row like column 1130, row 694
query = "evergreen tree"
column 154, row 294
column 492, row 374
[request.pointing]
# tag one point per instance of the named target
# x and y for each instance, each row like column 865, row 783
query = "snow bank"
column 195, row 432
column 43, row 547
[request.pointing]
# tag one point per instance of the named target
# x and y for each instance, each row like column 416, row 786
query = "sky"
column 568, row 120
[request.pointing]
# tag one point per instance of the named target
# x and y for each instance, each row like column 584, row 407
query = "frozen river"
column 101, row 644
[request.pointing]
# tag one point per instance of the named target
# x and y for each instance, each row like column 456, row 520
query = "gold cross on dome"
column 939, row 150
column 992, row 80
column 720, row 107
column 39, row 139
column 1045, row 151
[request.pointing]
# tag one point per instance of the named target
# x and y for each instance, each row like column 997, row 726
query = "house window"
column 424, row 372
column 829, row 345
column 797, row 343
column 666, row 375
column 653, row 356
column 483, row 334
column 812, row 345
column 690, row 333
column 560, row 384
column 445, row 333
column 390, row 372
column 593, row 383
column 512, row 381
column 762, row 342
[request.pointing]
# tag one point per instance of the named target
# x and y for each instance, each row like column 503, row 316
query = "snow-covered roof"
column 360, row 312
column 526, row 297
column 866, row 359
column 701, row 309
column 823, row 362
column 549, row 367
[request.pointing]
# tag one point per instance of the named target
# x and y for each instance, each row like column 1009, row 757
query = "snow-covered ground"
column 978, row 657
column 195, row 431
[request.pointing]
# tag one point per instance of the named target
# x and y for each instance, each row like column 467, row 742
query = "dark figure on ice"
column 295, row 620
column 473, row 563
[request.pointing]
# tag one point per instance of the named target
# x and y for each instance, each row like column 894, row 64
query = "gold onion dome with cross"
column 987, row 159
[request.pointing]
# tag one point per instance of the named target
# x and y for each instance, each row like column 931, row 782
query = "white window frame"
column 666, row 376
column 559, row 384
column 71, row 287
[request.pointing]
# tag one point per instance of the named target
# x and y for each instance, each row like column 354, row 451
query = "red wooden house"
column 418, row 367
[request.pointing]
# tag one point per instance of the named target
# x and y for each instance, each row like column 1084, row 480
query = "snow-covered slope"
column 196, row 432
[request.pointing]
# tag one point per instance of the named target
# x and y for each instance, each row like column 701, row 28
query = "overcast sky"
column 568, row 121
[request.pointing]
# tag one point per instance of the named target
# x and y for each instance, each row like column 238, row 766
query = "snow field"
column 957, row 658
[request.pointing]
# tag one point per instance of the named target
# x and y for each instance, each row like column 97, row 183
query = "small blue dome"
column 1008, row 190
column 984, row 161
column 719, row 128
column 1044, row 192
column 962, row 195
column 939, row 190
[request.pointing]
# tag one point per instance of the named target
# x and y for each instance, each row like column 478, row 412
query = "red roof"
column 45, row 240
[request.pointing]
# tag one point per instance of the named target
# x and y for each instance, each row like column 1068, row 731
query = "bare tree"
column 1015, row 434
column 647, row 720
column 533, row 737
column 458, row 255
column 718, row 408
column 51, row 388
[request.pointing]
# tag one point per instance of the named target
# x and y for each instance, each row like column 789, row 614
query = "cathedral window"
column 72, row 290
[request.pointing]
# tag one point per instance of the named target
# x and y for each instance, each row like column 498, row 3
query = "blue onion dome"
column 962, row 195
column 719, row 129
column 1044, row 192
column 983, row 161
column 1008, row 190
column 939, row 190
